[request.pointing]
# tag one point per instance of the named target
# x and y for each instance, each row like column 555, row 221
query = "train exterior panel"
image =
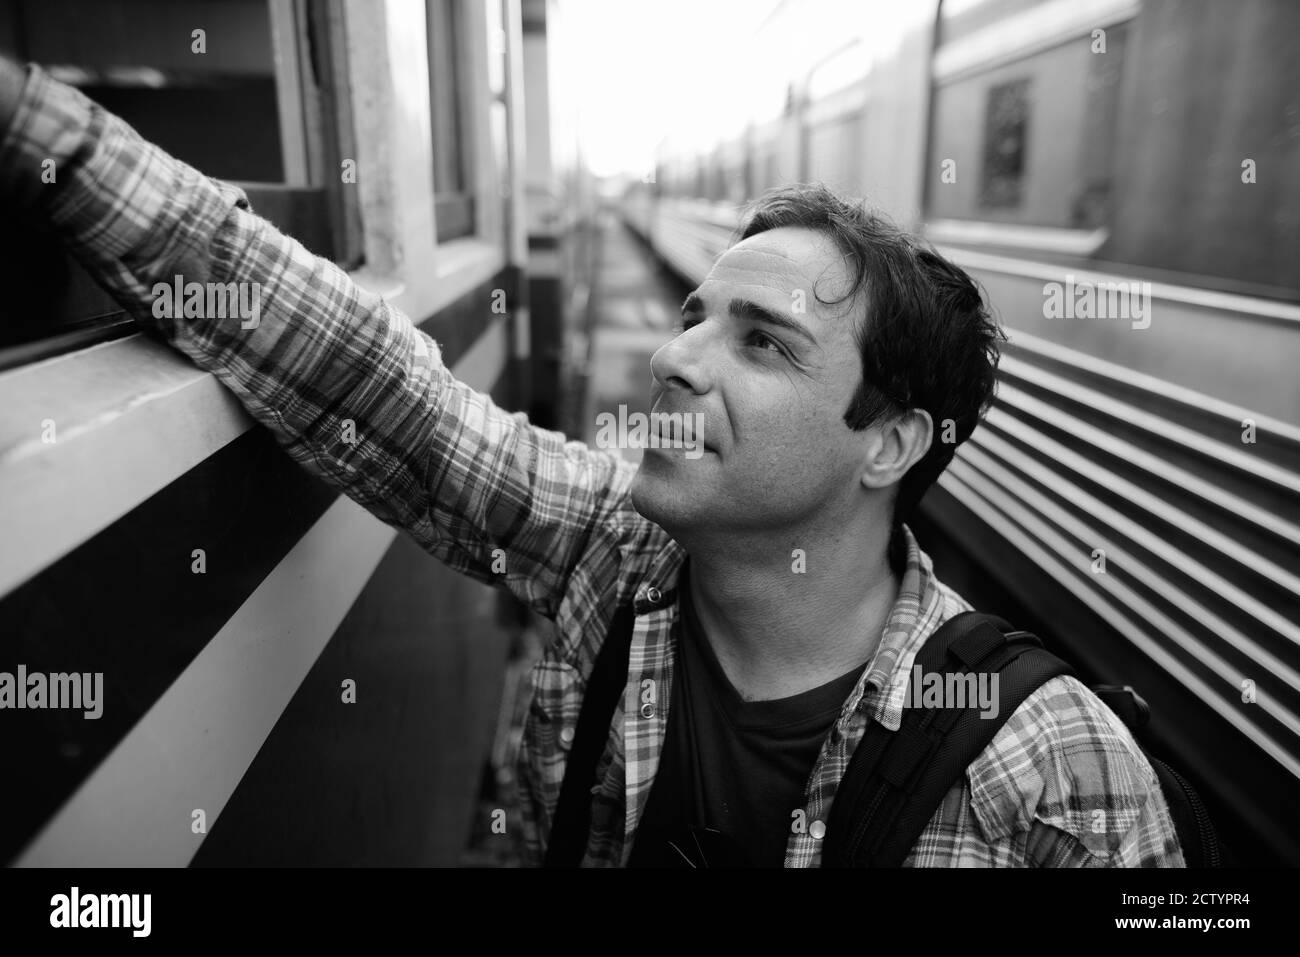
column 257, row 632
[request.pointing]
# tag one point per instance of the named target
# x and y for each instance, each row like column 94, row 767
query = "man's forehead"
column 786, row 260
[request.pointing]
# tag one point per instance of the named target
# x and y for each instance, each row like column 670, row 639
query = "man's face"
column 771, row 370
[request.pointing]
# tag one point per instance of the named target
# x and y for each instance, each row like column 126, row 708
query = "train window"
column 453, row 194
column 1025, row 136
column 1005, row 118
column 244, row 91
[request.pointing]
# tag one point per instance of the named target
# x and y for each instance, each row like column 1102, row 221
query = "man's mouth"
column 673, row 431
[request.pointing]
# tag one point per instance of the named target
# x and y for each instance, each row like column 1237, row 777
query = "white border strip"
column 128, row 416
column 1055, row 272
column 192, row 748
column 1074, row 242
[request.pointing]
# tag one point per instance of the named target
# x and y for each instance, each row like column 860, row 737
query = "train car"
column 1134, row 491
column 285, row 680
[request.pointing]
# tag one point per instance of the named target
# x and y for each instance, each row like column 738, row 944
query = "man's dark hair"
column 928, row 341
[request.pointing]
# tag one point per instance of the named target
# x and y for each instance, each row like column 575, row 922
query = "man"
column 779, row 597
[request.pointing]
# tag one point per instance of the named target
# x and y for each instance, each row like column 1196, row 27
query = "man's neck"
column 778, row 631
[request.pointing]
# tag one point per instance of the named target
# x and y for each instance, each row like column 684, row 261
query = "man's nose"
column 682, row 362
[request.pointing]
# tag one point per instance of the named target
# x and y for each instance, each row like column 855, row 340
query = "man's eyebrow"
column 744, row 309
column 747, row 309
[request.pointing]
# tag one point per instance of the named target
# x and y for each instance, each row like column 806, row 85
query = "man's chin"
column 661, row 497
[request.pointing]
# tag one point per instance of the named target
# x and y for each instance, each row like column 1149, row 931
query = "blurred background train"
column 1132, row 496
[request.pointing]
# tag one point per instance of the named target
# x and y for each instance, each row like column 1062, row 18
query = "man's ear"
column 894, row 446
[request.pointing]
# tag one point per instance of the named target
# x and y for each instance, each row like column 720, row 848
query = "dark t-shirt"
column 732, row 772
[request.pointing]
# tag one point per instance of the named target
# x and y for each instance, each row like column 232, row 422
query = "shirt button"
column 817, row 829
column 566, row 736
column 647, row 710
column 653, row 595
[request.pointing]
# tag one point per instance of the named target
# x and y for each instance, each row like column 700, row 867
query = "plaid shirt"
column 1062, row 784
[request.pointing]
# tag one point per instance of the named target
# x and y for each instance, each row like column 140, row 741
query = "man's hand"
column 12, row 79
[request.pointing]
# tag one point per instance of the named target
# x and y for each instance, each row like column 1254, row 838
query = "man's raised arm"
column 349, row 386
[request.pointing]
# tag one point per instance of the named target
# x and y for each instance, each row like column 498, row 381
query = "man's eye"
column 762, row 338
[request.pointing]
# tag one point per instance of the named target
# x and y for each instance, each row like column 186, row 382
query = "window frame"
column 1010, row 39
column 309, row 56
column 454, row 203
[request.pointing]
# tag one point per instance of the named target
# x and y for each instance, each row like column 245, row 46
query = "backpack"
column 895, row 780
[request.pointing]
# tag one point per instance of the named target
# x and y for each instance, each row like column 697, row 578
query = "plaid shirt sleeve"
column 348, row 385
column 1065, row 785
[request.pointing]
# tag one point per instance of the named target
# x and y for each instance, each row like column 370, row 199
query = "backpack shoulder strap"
column 567, row 842
column 896, row 780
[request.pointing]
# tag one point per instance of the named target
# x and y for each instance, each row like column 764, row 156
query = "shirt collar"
column 883, row 686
